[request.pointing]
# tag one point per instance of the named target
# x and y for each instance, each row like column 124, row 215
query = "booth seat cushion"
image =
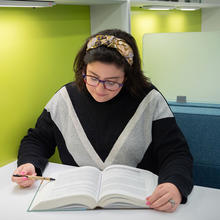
column 200, row 124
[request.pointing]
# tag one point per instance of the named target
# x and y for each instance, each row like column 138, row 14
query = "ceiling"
column 138, row 3
column 205, row 4
column 85, row 2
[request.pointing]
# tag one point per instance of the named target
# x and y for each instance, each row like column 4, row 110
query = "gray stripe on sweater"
column 130, row 146
column 64, row 116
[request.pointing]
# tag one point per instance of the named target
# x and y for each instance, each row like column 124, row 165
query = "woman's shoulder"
column 68, row 87
column 63, row 93
column 155, row 101
column 152, row 90
column 148, row 90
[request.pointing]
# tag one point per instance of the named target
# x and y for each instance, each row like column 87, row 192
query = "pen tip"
column 16, row 175
column 52, row 179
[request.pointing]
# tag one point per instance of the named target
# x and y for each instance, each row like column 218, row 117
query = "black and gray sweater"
column 124, row 130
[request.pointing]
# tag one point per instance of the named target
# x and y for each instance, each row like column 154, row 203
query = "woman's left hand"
column 166, row 197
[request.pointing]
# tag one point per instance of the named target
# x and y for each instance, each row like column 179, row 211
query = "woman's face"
column 104, row 71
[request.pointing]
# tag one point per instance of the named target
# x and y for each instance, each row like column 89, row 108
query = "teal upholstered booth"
column 200, row 124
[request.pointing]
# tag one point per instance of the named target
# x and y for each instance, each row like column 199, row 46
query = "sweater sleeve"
column 173, row 156
column 168, row 154
column 39, row 144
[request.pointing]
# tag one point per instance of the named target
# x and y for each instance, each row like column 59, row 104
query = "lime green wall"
column 37, row 49
column 147, row 21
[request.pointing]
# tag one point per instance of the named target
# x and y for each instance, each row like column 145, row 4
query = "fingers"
column 160, row 199
column 166, row 208
column 25, row 182
column 25, row 169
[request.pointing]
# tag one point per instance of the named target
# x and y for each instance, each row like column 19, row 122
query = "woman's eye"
column 94, row 79
column 110, row 83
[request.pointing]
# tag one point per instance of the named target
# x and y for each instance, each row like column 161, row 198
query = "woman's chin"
column 101, row 98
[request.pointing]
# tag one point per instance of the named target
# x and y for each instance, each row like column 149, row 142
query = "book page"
column 81, row 180
column 127, row 182
column 75, row 182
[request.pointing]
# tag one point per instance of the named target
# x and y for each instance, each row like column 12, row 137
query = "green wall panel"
column 37, row 49
column 147, row 21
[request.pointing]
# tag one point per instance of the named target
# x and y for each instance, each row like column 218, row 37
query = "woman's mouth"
column 100, row 94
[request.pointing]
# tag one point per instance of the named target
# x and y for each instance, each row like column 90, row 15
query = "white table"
column 203, row 204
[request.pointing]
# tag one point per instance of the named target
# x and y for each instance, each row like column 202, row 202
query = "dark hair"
column 135, row 81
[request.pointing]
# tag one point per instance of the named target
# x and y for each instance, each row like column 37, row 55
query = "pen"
column 35, row 177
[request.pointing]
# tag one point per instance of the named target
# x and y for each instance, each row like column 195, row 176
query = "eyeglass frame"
column 101, row 81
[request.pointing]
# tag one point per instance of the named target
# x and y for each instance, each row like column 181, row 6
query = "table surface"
column 203, row 203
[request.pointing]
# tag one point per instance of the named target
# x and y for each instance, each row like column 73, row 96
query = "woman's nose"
column 100, row 86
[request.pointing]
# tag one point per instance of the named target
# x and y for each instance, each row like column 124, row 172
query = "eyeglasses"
column 94, row 81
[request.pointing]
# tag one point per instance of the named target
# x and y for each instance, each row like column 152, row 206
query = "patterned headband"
column 111, row 41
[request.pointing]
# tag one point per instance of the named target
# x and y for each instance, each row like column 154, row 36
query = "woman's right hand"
column 24, row 169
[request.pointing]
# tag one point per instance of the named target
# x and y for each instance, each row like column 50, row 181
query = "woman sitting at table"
column 111, row 114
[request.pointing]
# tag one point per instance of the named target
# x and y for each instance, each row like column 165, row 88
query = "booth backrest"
column 200, row 124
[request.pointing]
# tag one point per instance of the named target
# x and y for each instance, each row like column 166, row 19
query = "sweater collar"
column 115, row 99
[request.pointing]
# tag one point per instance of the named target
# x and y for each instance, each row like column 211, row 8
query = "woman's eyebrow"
column 114, row 77
column 93, row 73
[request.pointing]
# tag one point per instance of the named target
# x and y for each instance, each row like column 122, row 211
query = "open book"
column 117, row 186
